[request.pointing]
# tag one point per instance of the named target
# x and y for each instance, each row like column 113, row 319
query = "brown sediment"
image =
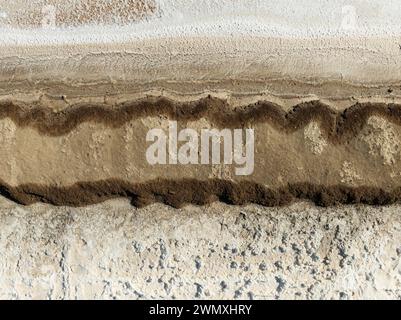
column 337, row 126
column 85, row 12
column 178, row 193
column 107, row 12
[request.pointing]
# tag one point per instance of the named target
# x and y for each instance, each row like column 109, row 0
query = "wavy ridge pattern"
column 178, row 193
column 338, row 127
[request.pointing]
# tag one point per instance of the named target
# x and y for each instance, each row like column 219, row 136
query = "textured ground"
column 115, row 251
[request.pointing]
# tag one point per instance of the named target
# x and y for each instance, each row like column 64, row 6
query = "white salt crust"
column 225, row 18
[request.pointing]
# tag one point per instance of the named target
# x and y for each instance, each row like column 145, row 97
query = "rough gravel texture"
column 114, row 251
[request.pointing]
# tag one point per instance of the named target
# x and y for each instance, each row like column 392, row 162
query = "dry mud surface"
column 310, row 151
